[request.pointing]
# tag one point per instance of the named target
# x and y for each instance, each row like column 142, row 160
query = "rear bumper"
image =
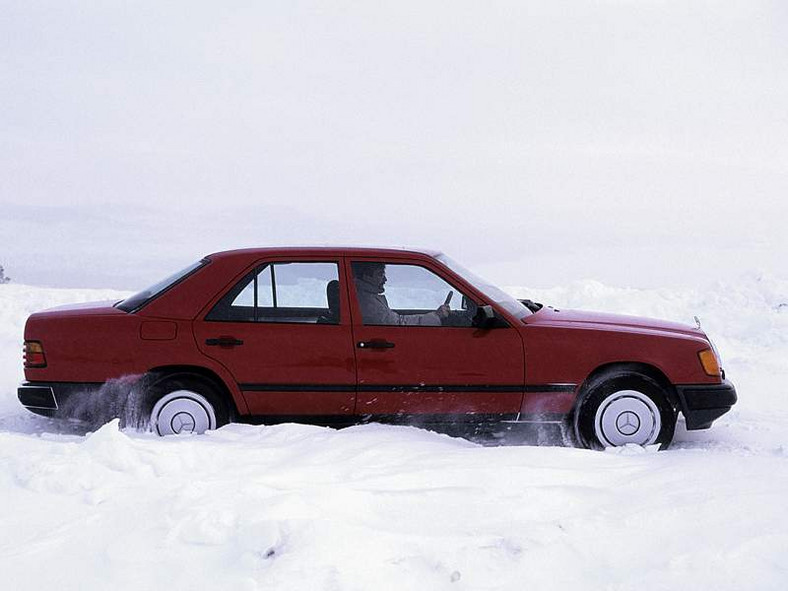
column 702, row 404
column 56, row 399
column 84, row 401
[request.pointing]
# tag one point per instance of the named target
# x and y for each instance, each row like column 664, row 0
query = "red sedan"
column 345, row 335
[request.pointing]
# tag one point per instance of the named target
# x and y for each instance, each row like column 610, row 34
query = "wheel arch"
column 651, row 371
column 167, row 372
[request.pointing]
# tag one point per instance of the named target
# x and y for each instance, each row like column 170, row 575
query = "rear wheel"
column 185, row 405
column 624, row 407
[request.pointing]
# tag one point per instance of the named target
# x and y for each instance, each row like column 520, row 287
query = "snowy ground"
column 377, row 507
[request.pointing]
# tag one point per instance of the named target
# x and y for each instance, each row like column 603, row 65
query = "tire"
column 621, row 408
column 188, row 404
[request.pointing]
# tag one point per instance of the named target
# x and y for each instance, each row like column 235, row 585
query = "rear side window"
column 283, row 292
column 139, row 299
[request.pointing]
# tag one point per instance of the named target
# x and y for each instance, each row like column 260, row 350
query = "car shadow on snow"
column 494, row 434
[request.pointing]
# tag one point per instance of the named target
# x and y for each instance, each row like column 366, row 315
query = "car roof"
column 363, row 251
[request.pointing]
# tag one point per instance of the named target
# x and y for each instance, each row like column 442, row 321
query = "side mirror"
column 484, row 317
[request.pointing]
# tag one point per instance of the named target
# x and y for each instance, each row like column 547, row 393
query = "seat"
column 332, row 297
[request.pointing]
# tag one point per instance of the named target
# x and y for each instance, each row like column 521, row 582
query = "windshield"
column 495, row 294
column 135, row 302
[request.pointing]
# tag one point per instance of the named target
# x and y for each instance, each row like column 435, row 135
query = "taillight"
column 34, row 354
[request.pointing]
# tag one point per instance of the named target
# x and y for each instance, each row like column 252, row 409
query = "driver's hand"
column 443, row 311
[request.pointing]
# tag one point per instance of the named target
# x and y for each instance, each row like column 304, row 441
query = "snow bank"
column 375, row 507
column 378, row 507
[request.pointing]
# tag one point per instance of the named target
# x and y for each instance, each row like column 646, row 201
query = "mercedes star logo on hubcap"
column 182, row 422
column 628, row 423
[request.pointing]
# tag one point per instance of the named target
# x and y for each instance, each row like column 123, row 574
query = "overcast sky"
column 636, row 142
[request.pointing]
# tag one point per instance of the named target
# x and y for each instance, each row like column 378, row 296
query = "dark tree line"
column 3, row 278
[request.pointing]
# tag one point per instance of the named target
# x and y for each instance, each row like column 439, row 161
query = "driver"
column 370, row 279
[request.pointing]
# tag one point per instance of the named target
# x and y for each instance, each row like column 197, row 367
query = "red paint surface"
column 98, row 342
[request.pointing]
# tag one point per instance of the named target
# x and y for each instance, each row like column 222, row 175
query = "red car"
column 345, row 335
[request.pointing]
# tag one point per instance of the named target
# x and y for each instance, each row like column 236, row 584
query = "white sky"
column 636, row 142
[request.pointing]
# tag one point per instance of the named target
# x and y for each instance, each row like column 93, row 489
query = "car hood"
column 102, row 308
column 604, row 320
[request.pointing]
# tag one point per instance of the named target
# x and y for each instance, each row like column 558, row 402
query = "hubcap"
column 182, row 411
column 627, row 416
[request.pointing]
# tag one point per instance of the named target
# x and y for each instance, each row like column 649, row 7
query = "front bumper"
column 702, row 404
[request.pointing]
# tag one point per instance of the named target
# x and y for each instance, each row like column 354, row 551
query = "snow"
column 382, row 507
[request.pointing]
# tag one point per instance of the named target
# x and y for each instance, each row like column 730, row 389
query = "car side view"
column 338, row 336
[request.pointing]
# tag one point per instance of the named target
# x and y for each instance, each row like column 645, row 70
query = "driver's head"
column 374, row 273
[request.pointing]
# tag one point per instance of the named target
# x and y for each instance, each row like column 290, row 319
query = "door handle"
column 225, row 342
column 376, row 344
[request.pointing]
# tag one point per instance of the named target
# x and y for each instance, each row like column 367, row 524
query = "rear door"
column 433, row 370
column 290, row 351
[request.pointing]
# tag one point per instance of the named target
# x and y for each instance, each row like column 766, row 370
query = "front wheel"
column 185, row 406
column 624, row 408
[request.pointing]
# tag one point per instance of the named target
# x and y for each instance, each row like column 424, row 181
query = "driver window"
column 398, row 294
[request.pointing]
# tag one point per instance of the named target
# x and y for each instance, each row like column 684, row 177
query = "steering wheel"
column 463, row 317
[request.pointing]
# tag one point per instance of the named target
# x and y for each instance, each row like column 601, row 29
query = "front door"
column 414, row 358
column 284, row 332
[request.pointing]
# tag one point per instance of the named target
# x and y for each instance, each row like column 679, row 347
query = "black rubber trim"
column 297, row 387
column 40, row 397
column 438, row 388
column 548, row 388
column 552, row 388
column 702, row 404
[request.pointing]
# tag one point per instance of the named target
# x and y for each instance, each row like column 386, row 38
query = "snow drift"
column 380, row 507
